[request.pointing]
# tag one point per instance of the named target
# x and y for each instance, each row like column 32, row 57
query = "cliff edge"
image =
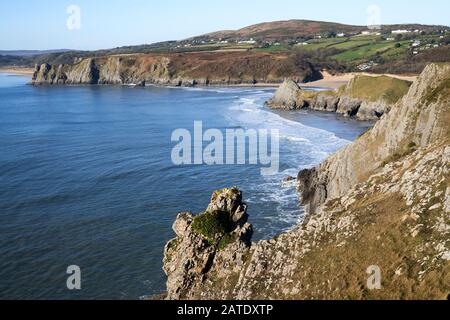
column 364, row 97
column 183, row 69
column 382, row 203
column 419, row 119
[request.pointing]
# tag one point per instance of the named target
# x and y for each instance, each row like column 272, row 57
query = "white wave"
column 301, row 146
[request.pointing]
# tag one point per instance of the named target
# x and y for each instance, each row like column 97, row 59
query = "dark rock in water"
column 289, row 182
column 286, row 96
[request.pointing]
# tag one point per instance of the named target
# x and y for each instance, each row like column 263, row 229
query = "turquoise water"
column 86, row 179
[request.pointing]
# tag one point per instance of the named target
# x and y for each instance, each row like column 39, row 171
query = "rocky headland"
column 364, row 97
column 183, row 69
column 383, row 201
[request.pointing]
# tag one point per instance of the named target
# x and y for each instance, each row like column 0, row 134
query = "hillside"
column 332, row 46
column 301, row 29
column 382, row 204
column 188, row 69
column 283, row 30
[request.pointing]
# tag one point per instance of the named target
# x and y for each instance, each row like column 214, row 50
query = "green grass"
column 212, row 224
column 322, row 43
column 216, row 227
column 350, row 44
column 364, row 52
column 374, row 88
column 396, row 53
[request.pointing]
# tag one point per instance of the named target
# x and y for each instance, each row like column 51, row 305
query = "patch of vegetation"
column 230, row 192
column 441, row 90
column 382, row 240
column 375, row 88
column 363, row 52
column 171, row 247
column 409, row 149
column 226, row 240
column 216, row 227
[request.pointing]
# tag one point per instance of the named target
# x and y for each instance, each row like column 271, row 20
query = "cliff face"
column 415, row 122
column 383, row 202
column 365, row 97
column 178, row 70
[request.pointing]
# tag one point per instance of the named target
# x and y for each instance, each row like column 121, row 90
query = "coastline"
column 17, row 71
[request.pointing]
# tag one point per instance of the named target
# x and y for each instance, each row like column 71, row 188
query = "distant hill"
column 29, row 53
column 279, row 30
column 325, row 45
column 302, row 29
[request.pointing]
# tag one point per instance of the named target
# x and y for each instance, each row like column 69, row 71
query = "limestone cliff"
column 217, row 240
column 419, row 119
column 187, row 69
column 383, row 202
column 365, row 97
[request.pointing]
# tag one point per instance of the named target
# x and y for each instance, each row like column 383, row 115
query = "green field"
column 322, row 43
column 364, row 52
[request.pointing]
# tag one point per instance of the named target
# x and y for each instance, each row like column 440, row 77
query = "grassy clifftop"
column 375, row 88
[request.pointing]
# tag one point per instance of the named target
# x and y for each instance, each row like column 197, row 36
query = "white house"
column 340, row 35
column 400, row 31
column 251, row 41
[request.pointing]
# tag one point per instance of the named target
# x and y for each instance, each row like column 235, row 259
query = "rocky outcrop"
column 217, row 240
column 290, row 96
column 193, row 69
column 381, row 204
column 416, row 122
column 286, row 96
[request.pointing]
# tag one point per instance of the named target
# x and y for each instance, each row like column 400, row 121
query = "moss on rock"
column 212, row 225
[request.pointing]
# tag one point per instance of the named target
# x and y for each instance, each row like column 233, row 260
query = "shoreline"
column 17, row 71
column 329, row 81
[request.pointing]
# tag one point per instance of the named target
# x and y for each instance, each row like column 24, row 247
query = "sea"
column 87, row 179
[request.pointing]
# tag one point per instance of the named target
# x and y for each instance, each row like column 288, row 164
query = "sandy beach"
column 336, row 81
column 18, row 71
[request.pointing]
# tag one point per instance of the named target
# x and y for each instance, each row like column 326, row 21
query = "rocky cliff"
column 419, row 119
column 187, row 69
column 365, row 97
column 382, row 203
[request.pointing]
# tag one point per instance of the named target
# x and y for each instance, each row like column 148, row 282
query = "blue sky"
column 26, row 24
